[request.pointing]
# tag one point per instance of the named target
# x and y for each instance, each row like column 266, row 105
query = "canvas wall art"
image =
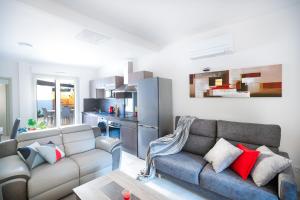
column 263, row 81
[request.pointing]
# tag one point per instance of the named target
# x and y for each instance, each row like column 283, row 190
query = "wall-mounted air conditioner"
column 212, row 47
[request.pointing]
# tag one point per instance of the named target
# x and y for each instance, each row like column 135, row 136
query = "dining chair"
column 15, row 128
column 48, row 116
column 65, row 114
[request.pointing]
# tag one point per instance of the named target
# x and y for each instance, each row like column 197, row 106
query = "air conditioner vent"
column 91, row 37
column 212, row 47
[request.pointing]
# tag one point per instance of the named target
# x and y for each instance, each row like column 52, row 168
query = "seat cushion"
column 231, row 185
column 92, row 161
column 47, row 177
column 184, row 166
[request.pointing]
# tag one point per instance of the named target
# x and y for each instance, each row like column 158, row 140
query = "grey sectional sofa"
column 191, row 169
column 87, row 157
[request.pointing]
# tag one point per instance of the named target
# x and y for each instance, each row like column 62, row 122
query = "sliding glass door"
column 56, row 101
column 67, row 102
column 46, row 102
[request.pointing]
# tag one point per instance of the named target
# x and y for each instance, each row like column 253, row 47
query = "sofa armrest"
column 13, row 178
column 112, row 146
column 287, row 187
column 12, row 167
column 8, row 148
column 107, row 144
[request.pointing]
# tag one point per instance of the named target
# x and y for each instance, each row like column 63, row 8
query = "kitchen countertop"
column 112, row 116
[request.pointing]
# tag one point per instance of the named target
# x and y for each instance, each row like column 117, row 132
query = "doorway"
column 4, row 108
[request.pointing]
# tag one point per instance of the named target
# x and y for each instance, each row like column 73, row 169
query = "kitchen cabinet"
column 98, row 87
column 90, row 119
column 134, row 77
column 111, row 83
column 129, row 137
column 95, row 90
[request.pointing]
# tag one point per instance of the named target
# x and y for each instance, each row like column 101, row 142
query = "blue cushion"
column 229, row 184
column 183, row 165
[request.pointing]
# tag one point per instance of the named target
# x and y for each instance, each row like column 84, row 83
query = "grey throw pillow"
column 222, row 155
column 267, row 166
column 50, row 152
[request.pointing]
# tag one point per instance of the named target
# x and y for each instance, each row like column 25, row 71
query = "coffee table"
column 109, row 187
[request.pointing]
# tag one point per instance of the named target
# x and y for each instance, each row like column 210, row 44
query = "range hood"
column 125, row 88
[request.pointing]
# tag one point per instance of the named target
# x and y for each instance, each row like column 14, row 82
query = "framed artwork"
column 263, row 81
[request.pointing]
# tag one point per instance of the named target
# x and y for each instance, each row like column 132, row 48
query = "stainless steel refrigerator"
column 155, row 115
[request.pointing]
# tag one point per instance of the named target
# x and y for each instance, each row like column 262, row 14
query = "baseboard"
column 297, row 176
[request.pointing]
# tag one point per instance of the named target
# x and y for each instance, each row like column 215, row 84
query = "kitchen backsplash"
column 93, row 105
column 105, row 103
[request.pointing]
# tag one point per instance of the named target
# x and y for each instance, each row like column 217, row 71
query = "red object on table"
column 126, row 195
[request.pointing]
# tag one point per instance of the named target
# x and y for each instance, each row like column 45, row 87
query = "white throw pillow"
column 222, row 155
column 267, row 166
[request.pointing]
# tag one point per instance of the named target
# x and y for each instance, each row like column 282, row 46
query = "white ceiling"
column 53, row 37
column 165, row 21
column 135, row 27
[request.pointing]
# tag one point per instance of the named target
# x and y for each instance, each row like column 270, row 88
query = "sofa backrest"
column 77, row 139
column 42, row 137
column 202, row 136
column 250, row 134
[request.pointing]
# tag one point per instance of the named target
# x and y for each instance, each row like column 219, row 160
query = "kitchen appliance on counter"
column 155, row 117
column 111, row 110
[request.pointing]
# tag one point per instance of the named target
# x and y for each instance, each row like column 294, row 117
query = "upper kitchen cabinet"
column 134, row 77
column 112, row 82
column 98, row 87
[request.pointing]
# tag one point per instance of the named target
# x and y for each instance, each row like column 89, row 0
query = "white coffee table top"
column 93, row 190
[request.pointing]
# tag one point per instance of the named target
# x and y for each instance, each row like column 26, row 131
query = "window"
column 56, row 101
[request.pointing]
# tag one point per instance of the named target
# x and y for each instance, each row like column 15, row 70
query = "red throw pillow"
column 245, row 162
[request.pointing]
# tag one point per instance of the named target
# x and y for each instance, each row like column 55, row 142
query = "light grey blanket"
column 167, row 145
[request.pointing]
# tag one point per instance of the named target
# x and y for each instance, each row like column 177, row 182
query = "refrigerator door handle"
column 147, row 126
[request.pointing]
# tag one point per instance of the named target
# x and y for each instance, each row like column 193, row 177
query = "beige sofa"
column 87, row 157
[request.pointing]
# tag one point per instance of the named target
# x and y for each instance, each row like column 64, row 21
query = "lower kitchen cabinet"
column 129, row 137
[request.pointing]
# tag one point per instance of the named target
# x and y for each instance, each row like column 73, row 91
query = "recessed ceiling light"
column 25, row 44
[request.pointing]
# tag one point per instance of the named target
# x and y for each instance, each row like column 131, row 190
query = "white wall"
column 9, row 69
column 115, row 68
column 3, row 107
column 272, row 39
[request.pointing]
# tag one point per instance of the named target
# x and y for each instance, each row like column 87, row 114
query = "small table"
column 109, row 187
